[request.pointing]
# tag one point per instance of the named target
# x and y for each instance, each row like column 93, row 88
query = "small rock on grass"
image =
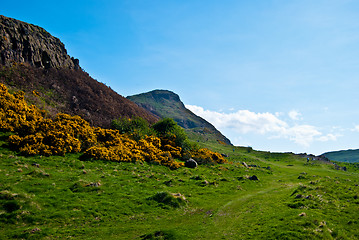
column 191, row 163
column 254, row 177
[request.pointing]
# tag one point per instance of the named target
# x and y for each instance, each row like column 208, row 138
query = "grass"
column 63, row 197
column 351, row 156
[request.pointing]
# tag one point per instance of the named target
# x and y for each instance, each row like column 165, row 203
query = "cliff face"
column 32, row 59
column 26, row 43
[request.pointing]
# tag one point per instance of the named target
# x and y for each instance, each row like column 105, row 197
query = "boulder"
column 96, row 184
column 204, row 183
column 168, row 183
column 36, row 165
column 191, row 163
column 254, row 177
column 178, row 195
column 299, row 196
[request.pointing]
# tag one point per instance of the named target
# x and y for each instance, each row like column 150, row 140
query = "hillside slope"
column 350, row 156
column 166, row 104
column 63, row 197
column 32, row 59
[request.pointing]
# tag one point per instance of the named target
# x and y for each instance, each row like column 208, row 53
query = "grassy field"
column 64, row 197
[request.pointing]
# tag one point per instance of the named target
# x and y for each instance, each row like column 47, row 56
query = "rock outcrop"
column 33, row 61
column 26, row 43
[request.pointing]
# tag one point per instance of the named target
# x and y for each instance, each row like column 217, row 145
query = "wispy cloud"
column 295, row 115
column 245, row 121
column 356, row 128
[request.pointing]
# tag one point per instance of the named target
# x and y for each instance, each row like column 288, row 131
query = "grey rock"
column 204, row 183
column 168, row 183
column 254, row 177
column 96, row 184
column 36, row 165
column 191, row 163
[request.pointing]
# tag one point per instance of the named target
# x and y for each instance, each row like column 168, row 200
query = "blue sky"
column 276, row 75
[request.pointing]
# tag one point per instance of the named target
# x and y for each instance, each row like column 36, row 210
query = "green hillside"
column 64, row 197
column 343, row 156
column 166, row 104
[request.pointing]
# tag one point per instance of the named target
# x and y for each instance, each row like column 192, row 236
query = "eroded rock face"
column 26, row 43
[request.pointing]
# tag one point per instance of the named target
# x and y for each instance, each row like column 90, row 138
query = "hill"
column 343, row 155
column 252, row 195
column 64, row 197
column 32, row 59
column 167, row 104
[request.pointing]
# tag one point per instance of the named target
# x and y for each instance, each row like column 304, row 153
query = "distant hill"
column 350, row 156
column 164, row 103
column 32, row 59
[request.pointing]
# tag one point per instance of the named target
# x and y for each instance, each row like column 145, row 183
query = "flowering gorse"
column 35, row 134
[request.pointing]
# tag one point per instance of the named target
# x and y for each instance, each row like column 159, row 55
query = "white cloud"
column 295, row 115
column 244, row 121
column 328, row 137
column 356, row 128
column 301, row 134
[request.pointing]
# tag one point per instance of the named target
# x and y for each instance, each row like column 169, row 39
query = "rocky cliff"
column 23, row 42
column 32, row 59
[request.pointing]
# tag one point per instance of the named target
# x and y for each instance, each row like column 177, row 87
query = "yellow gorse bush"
column 15, row 114
column 37, row 135
column 205, row 155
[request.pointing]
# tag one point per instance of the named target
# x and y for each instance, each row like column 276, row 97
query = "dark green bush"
column 136, row 126
column 189, row 146
column 167, row 127
column 11, row 206
column 167, row 199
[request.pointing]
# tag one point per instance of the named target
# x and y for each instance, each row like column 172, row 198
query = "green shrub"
column 168, row 128
column 11, row 206
column 136, row 126
column 189, row 146
column 168, row 199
